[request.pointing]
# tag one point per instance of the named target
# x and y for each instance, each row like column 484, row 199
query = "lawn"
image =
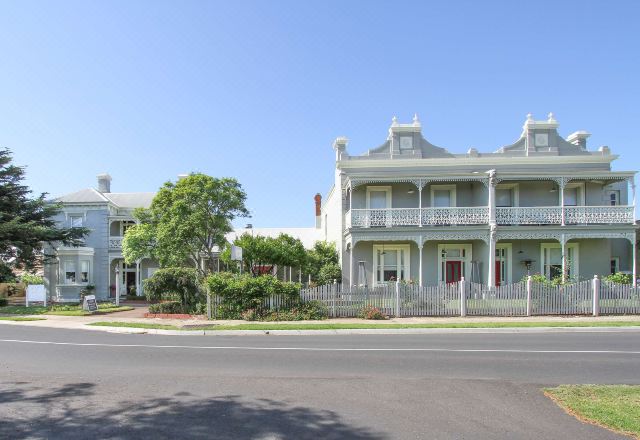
column 366, row 325
column 616, row 407
column 20, row 318
column 65, row 310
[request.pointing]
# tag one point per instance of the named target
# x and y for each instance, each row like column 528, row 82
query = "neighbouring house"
column 409, row 210
column 108, row 215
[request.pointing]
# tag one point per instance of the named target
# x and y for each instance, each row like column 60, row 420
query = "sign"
column 236, row 253
column 90, row 303
column 35, row 293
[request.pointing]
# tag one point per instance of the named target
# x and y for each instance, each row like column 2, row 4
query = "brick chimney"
column 104, row 183
column 318, row 200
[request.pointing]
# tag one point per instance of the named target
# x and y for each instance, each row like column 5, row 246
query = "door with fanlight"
column 378, row 206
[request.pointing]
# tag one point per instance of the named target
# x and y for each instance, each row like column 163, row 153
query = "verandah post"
column 398, row 299
column 529, row 285
column 463, row 297
column 596, row 295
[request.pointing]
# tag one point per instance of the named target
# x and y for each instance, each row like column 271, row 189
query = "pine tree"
column 26, row 223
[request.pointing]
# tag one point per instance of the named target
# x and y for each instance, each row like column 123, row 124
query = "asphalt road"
column 86, row 384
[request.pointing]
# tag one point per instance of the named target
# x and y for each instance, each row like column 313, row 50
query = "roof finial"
column 416, row 121
column 551, row 118
column 529, row 117
column 394, row 121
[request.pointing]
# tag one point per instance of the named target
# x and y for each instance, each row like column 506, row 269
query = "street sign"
column 236, row 253
column 90, row 303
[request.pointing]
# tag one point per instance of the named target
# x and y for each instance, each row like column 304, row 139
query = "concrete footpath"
column 190, row 326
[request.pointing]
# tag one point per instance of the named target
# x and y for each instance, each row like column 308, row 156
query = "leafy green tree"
column 28, row 232
column 186, row 221
column 328, row 273
column 323, row 254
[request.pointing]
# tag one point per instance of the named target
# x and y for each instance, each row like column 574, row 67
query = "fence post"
column 529, row 285
column 463, row 297
column 208, row 305
column 333, row 299
column 596, row 295
column 398, row 299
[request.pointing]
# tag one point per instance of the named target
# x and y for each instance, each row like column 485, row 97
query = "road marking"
column 233, row 347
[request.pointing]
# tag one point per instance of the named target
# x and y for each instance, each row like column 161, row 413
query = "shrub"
column 166, row 307
column 240, row 293
column 31, row 279
column 619, row 278
column 371, row 312
column 328, row 273
column 3, row 302
column 175, row 284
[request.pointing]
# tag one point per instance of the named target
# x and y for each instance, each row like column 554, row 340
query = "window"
column 504, row 197
column 126, row 225
column 613, row 198
column 574, row 194
column 443, row 196
column 615, row 265
column 552, row 260
column 84, row 271
column 76, row 221
column 69, row 272
column 391, row 263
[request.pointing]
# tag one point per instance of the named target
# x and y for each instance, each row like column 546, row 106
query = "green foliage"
column 260, row 254
column 171, row 307
column 185, row 221
column 27, row 226
column 3, row 302
column 541, row 279
column 6, row 274
column 174, row 283
column 371, row 312
column 323, row 254
column 31, row 279
column 619, row 278
column 329, row 273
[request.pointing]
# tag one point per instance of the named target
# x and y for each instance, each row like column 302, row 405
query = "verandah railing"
column 591, row 297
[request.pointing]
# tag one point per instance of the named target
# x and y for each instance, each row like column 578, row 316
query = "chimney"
column 104, row 183
column 579, row 138
column 318, row 200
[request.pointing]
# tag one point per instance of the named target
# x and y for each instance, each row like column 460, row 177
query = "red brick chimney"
column 318, row 200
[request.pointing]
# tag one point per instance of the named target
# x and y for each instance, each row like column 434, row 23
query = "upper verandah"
column 538, row 139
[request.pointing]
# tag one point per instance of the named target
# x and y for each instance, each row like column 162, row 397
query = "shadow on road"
column 68, row 412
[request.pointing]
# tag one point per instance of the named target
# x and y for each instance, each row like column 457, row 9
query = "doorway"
column 453, row 271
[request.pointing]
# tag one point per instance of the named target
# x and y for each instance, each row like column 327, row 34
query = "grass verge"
column 20, row 318
column 64, row 310
column 364, row 325
column 615, row 407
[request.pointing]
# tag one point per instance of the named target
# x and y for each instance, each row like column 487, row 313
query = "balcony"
column 573, row 215
column 455, row 216
column 115, row 243
column 370, row 218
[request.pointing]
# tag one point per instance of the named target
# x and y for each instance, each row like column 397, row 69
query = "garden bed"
column 173, row 316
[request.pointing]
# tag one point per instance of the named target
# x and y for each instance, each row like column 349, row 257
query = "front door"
column 453, row 271
column 130, row 282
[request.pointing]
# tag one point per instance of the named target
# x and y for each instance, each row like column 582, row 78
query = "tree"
column 27, row 226
column 186, row 221
column 323, row 254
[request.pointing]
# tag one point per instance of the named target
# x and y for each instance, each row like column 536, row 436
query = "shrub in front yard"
column 3, row 302
column 166, row 307
column 175, row 284
column 619, row 278
column 311, row 310
column 371, row 312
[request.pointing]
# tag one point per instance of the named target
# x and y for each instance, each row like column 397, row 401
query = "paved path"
column 80, row 384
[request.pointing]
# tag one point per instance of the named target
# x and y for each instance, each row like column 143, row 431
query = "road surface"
column 68, row 384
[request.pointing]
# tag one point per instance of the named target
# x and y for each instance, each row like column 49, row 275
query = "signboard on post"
column 236, row 253
column 90, row 303
column 35, row 293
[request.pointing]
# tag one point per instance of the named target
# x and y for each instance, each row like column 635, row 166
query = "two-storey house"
column 107, row 215
column 409, row 210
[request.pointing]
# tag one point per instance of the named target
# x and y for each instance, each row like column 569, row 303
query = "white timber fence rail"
column 464, row 298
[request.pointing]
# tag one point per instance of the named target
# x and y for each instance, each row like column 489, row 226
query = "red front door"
column 454, row 271
column 498, row 274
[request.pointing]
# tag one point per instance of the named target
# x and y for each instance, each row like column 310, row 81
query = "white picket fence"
column 591, row 297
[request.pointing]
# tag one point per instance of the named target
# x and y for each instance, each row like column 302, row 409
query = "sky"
column 147, row 90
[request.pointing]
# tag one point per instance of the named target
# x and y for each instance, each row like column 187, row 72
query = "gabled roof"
column 87, row 195
column 131, row 200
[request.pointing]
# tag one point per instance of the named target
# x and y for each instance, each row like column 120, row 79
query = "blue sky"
column 146, row 90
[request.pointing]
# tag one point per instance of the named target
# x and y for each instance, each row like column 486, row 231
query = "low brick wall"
column 169, row 315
